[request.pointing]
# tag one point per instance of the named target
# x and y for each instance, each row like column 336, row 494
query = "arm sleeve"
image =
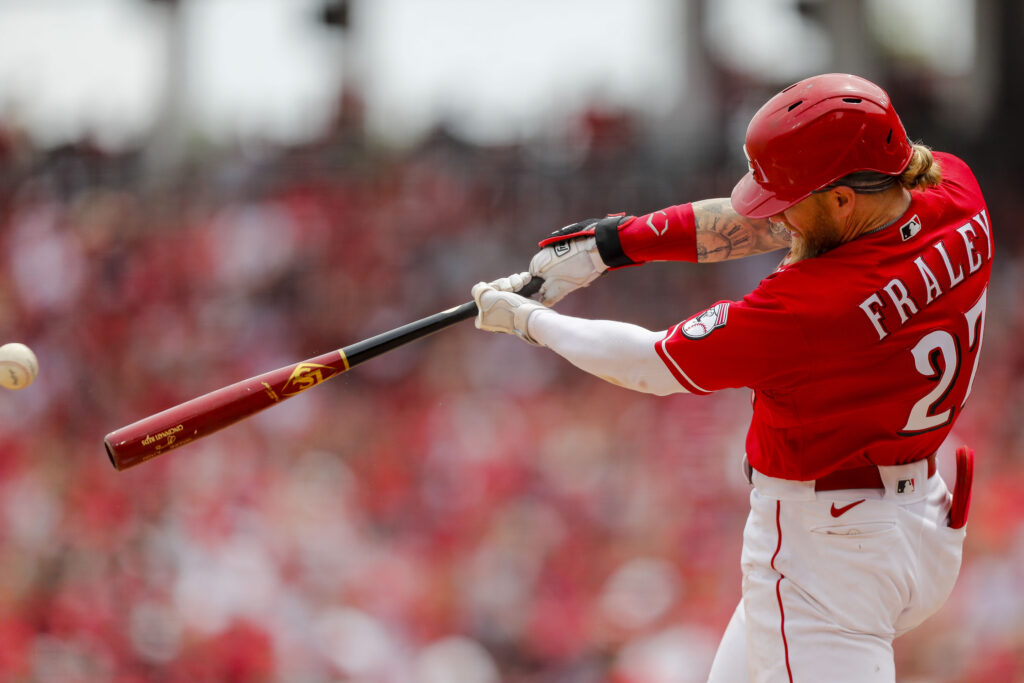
column 666, row 235
column 617, row 352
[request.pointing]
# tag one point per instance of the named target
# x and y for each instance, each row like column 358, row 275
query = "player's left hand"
column 500, row 309
column 571, row 257
column 566, row 266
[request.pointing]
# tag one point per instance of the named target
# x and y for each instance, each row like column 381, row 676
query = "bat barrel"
column 157, row 434
column 186, row 422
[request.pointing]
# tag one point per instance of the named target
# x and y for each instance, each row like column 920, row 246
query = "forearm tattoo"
column 724, row 234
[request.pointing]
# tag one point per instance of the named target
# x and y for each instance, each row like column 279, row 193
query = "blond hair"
column 922, row 172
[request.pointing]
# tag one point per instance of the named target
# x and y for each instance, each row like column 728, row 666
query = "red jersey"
column 864, row 355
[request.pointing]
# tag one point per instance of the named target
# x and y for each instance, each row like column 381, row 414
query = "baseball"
column 18, row 366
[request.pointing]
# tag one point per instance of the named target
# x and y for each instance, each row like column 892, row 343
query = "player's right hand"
column 500, row 309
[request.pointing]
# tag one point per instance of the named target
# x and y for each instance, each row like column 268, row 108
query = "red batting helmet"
column 813, row 133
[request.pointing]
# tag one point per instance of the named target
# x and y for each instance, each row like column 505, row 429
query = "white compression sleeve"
column 620, row 353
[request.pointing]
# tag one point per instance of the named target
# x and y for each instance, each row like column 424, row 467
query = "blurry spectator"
column 403, row 523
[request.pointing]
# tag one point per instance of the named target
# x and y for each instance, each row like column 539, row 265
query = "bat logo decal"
column 306, row 375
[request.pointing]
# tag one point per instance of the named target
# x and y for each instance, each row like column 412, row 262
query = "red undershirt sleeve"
column 666, row 235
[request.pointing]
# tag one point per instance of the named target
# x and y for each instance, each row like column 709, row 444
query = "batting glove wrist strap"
column 604, row 230
column 500, row 309
column 609, row 245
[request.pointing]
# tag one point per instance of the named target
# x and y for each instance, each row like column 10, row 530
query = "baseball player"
column 860, row 349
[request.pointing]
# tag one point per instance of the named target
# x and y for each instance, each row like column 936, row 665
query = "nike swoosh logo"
column 838, row 512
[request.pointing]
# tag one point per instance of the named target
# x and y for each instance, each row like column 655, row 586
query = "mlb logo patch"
column 905, row 486
column 910, row 228
column 562, row 248
column 703, row 324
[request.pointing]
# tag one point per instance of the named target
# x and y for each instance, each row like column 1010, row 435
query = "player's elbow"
column 654, row 378
column 658, row 386
column 665, row 389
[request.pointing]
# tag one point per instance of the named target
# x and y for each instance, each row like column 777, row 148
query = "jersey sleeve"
column 747, row 343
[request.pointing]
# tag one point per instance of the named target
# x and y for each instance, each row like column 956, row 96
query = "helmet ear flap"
column 813, row 133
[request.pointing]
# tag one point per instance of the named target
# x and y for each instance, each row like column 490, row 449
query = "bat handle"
column 469, row 309
column 382, row 343
column 532, row 287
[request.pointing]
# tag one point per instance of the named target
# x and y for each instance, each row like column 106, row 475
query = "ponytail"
column 922, row 172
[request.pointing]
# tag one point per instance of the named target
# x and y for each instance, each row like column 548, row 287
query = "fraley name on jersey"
column 946, row 260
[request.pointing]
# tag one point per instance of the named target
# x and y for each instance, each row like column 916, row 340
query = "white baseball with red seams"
column 18, row 366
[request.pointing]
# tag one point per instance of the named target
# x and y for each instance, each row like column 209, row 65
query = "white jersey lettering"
column 898, row 294
column 974, row 259
column 872, row 308
column 954, row 278
column 897, row 291
column 981, row 218
column 931, row 283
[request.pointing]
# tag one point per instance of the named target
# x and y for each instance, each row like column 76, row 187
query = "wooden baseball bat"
column 192, row 420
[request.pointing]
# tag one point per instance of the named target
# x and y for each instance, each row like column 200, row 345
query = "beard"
column 812, row 246
column 825, row 236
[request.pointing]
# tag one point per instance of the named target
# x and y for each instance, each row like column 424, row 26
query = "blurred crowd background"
column 467, row 508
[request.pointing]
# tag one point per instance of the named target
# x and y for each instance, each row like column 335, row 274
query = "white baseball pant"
column 830, row 579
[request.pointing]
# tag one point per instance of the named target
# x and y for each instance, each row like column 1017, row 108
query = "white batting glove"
column 566, row 266
column 513, row 283
column 500, row 309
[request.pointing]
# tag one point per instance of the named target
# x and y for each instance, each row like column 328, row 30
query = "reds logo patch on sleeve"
column 703, row 324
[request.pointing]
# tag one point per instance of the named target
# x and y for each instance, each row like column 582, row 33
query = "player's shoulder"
column 956, row 174
column 954, row 200
column 948, row 160
column 794, row 286
column 823, row 288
